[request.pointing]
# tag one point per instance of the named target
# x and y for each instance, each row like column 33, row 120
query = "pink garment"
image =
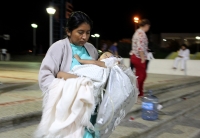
column 139, row 43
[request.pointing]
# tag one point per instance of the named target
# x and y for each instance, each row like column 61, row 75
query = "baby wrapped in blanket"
column 96, row 70
column 120, row 95
column 70, row 102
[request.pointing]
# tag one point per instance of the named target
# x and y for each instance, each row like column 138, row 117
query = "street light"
column 34, row 37
column 136, row 20
column 198, row 38
column 97, row 36
column 51, row 11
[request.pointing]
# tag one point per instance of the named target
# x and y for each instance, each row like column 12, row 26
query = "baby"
column 105, row 60
column 101, row 60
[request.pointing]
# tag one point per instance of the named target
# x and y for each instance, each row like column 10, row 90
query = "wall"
column 164, row 66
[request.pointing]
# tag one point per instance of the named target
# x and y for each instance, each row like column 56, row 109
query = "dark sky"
column 113, row 19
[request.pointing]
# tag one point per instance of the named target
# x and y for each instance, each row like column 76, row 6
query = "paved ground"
column 20, row 81
column 20, row 94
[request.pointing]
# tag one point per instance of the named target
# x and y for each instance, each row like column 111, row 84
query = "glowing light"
column 51, row 10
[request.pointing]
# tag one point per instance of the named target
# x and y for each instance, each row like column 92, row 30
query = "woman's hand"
column 141, row 53
column 65, row 75
column 143, row 60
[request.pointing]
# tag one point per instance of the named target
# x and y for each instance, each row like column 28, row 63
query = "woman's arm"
column 142, row 56
column 65, row 75
column 50, row 66
column 94, row 62
column 141, row 46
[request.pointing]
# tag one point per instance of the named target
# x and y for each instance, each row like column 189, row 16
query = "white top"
column 150, row 56
column 184, row 53
column 4, row 51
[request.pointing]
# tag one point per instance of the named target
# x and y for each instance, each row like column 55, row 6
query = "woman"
column 60, row 57
column 139, row 54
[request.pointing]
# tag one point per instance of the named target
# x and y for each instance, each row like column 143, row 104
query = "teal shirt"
column 81, row 51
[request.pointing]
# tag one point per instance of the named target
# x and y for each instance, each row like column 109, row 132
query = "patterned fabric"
column 139, row 43
column 97, row 74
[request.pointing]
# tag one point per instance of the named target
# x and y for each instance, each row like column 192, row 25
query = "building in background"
column 174, row 40
column 63, row 10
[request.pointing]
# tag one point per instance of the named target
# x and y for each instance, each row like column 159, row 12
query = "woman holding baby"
column 60, row 58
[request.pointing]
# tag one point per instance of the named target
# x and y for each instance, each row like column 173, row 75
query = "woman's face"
column 80, row 35
column 146, row 27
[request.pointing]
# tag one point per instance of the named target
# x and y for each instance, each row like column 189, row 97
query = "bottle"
column 149, row 107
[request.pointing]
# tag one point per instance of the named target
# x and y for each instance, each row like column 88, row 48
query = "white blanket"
column 98, row 75
column 68, row 109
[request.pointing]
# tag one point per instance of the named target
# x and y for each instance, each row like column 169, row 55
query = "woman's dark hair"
column 144, row 22
column 76, row 19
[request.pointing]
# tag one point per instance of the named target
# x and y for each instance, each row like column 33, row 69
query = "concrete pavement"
column 21, row 100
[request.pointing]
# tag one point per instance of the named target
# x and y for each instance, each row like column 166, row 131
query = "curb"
column 173, row 87
column 145, row 132
column 19, row 119
column 166, row 101
column 197, row 135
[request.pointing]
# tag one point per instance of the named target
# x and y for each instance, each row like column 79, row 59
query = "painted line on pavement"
column 18, row 78
column 18, row 102
column 18, row 71
column 19, row 96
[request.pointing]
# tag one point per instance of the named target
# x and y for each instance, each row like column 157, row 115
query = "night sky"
column 113, row 19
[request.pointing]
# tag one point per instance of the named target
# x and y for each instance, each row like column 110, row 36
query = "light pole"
column 51, row 11
column 97, row 36
column 136, row 20
column 34, row 37
column 198, row 38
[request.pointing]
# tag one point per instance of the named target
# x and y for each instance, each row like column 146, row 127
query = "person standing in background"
column 139, row 54
column 4, row 54
column 113, row 49
column 104, row 47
